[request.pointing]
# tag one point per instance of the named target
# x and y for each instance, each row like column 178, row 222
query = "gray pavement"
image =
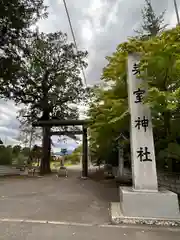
column 32, row 231
column 57, row 199
column 79, row 207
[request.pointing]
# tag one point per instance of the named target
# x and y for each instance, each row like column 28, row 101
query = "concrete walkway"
column 56, row 199
column 74, row 209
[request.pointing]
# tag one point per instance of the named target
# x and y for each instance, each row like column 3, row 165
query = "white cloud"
column 65, row 142
column 95, row 12
column 87, row 32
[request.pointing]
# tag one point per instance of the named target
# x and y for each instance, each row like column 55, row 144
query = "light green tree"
column 160, row 67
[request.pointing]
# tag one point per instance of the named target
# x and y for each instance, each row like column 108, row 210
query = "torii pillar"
column 85, row 154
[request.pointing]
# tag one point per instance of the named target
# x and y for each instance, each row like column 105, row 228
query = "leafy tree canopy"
column 16, row 18
column 160, row 66
column 50, row 80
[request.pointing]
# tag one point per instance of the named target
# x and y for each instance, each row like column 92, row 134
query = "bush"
column 72, row 158
column 5, row 156
column 20, row 159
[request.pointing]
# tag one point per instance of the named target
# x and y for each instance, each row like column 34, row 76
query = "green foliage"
column 19, row 160
column 169, row 157
column 152, row 24
column 5, row 155
column 16, row 18
column 172, row 152
column 25, row 154
column 16, row 150
column 50, row 81
column 36, row 152
column 78, row 150
column 75, row 156
column 109, row 114
column 109, row 110
column 16, row 155
column 72, row 158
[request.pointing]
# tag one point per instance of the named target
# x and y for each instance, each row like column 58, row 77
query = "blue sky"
column 99, row 25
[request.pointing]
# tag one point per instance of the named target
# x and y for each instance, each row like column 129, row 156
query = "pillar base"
column 84, row 178
column 161, row 204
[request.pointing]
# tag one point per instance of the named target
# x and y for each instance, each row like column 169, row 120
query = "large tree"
column 16, row 18
column 50, row 85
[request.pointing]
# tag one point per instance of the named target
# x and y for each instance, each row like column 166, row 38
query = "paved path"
column 79, row 207
column 32, row 231
column 57, row 199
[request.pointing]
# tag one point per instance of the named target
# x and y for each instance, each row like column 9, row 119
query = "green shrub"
column 5, row 156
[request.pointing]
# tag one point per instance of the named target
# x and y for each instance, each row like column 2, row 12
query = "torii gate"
column 57, row 123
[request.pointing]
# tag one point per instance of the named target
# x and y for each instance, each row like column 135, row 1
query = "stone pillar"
column 142, row 142
column 121, row 161
column 85, row 154
column 143, row 199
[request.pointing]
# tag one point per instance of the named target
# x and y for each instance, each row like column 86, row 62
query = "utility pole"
column 74, row 38
column 177, row 13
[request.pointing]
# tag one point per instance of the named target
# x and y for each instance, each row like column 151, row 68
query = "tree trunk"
column 46, row 143
column 45, row 163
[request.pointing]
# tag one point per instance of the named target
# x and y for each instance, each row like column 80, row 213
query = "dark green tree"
column 16, row 18
column 5, row 155
column 50, row 85
column 26, row 152
column 36, row 154
column 16, row 150
column 152, row 23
